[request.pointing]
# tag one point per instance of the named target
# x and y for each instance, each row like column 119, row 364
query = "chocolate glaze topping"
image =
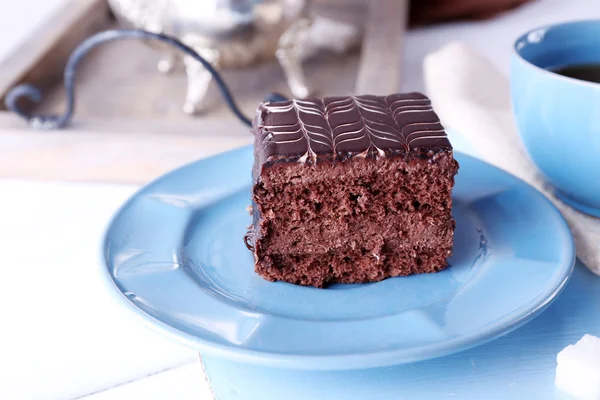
column 342, row 127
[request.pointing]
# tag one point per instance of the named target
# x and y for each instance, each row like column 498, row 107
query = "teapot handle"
column 50, row 122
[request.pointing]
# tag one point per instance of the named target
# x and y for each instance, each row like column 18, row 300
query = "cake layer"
column 353, row 204
column 416, row 172
column 354, row 232
column 353, row 266
column 339, row 128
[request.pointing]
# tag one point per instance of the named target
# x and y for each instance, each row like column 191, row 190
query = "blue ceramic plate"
column 175, row 256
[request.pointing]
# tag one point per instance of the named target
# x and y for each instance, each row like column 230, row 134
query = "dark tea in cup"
column 584, row 72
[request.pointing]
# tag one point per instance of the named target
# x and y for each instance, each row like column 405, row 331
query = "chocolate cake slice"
column 350, row 189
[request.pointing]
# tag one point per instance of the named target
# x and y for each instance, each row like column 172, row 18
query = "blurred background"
column 143, row 109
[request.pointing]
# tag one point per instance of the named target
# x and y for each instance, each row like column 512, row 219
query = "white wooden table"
column 62, row 337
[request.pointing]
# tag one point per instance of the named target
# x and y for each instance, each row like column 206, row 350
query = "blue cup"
column 559, row 117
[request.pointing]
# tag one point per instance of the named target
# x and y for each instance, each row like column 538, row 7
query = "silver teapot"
column 228, row 33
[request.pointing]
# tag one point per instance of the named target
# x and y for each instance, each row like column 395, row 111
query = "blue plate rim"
column 342, row 361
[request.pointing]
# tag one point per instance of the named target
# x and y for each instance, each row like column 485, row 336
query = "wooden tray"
column 129, row 126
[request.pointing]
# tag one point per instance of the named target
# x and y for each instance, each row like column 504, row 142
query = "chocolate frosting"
column 342, row 127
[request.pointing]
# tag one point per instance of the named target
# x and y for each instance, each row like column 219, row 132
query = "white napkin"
column 472, row 98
